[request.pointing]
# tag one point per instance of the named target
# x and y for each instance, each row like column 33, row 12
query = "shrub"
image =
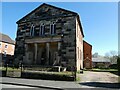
column 101, row 65
column 113, row 66
column 48, row 76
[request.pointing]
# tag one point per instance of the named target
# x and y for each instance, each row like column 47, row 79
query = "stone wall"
column 65, row 22
column 64, row 26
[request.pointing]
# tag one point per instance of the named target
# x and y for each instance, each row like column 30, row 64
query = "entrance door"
column 43, row 57
column 30, row 57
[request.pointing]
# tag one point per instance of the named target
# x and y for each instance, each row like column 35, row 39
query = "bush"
column 47, row 76
column 101, row 66
column 113, row 66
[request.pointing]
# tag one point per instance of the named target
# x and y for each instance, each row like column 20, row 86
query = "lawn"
column 105, row 70
column 113, row 71
column 67, row 73
column 49, row 75
column 9, row 69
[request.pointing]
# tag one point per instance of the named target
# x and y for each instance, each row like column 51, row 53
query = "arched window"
column 52, row 29
column 32, row 30
column 42, row 30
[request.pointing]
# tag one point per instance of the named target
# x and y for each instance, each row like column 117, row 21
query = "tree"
column 112, row 55
column 95, row 55
column 107, row 55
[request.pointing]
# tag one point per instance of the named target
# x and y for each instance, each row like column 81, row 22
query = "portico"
column 42, row 51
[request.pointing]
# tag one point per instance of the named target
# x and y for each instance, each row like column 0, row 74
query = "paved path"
column 99, row 79
column 14, row 86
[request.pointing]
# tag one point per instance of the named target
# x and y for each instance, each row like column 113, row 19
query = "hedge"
column 47, row 76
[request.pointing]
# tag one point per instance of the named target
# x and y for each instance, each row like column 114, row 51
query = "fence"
column 11, row 71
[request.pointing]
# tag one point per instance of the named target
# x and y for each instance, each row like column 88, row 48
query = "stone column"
column 26, row 53
column 47, row 52
column 58, row 59
column 35, row 53
column 59, row 43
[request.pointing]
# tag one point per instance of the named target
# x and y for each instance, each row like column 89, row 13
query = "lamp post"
column 5, row 62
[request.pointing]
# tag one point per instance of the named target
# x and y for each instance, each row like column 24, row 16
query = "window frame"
column 42, row 30
column 32, row 30
column 53, row 28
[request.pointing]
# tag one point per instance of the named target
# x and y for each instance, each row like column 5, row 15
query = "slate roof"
column 100, row 60
column 6, row 39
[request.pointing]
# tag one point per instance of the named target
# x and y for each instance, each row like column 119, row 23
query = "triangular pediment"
column 46, row 11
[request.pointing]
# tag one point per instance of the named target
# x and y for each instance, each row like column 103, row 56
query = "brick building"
column 87, row 50
column 50, row 36
column 6, row 48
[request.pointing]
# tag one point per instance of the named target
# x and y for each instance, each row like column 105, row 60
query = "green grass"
column 55, row 73
column 77, row 78
column 9, row 69
column 68, row 73
column 102, row 70
column 97, row 69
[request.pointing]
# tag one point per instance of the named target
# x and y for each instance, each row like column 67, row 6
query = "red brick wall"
column 87, row 54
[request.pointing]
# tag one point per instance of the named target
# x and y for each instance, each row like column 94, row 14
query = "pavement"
column 14, row 86
column 60, row 85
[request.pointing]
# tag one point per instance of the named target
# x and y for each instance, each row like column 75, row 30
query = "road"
column 99, row 79
column 20, row 87
column 51, row 84
column 14, row 86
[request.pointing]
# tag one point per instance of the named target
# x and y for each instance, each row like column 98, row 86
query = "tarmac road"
column 20, row 87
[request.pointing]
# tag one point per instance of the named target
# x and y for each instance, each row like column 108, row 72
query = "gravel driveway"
column 91, row 76
column 91, row 79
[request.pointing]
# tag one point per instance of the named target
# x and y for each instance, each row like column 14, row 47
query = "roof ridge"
column 47, row 5
column 6, row 38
